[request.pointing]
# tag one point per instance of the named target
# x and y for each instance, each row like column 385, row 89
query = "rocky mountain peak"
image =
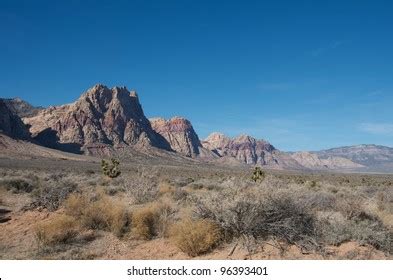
column 100, row 116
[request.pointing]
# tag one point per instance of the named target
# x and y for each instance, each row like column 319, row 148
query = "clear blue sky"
column 304, row 75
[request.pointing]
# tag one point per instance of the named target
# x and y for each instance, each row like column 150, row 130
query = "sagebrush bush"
column 19, row 185
column 101, row 213
column 142, row 190
column 195, row 237
column 363, row 228
column 152, row 220
column 275, row 215
column 53, row 195
column 59, row 230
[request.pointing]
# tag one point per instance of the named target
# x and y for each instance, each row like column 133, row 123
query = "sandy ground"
column 17, row 241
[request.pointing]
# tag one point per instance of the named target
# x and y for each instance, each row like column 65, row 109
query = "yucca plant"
column 110, row 168
column 258, row 174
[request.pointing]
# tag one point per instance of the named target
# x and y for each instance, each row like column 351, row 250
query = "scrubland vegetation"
column 195, row 211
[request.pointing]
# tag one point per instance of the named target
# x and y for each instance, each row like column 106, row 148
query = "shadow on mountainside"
column 48, row 138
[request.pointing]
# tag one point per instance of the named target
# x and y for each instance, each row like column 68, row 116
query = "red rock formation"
column 180, row 135
column 100, row 116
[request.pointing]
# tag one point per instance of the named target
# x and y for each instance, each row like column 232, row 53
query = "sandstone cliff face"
column 10, row 124
column 100, row 116
column 180, row 135
column 244, row 148
column 249, row 150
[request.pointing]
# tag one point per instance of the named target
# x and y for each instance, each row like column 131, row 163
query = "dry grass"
column 101, row 213
column 308, row 210
column 59, row 230
column 152, row 220
column 195, row 237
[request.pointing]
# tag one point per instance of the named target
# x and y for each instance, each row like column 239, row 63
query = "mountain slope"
column 21, row 108
column 249, row 150
column 315, row 162
column 10, row 124
column 372, row 157
column 101, row 116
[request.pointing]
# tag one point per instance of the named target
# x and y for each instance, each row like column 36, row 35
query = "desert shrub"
column 101, row 213
column 52, row 196
column 384, row 201
column 111, row 169
column 320, row 200
column 142, row 189
column 350, row 205
column 76, row 204
column 19, row 185
column 177, row 193
column 182, row 182
column 204, row 184
column 152, row 220
column 59, row 230
column 273, row 215
column 364, row 229
column 195, row 237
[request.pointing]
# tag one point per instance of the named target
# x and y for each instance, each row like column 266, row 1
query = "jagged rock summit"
column 100, row 116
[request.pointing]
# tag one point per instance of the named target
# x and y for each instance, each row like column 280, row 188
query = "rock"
column 101, row 115
column 180, row 135
column 244, row 148
column 249, row 150
column 22, row 108
column 10, row 124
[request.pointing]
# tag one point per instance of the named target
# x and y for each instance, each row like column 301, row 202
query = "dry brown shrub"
column 195, row 237
column 102, row 213
column 152, row 220
column 59, row 230
column 75, row 205
column 165, row 189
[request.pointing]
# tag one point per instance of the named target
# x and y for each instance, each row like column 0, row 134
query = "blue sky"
column 301, row 74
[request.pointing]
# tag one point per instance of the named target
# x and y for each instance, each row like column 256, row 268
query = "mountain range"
column 106, row 121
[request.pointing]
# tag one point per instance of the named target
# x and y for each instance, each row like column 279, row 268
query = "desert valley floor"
column 64, row 208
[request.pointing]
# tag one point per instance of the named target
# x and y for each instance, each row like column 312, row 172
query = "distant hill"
column 21, row 108
column 372, row 157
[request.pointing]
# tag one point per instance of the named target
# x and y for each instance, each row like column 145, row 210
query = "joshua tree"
column 258, row 174
column 110, row 169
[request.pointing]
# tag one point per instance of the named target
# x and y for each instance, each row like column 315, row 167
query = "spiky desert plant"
column 258, row 174
column 111, row 169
